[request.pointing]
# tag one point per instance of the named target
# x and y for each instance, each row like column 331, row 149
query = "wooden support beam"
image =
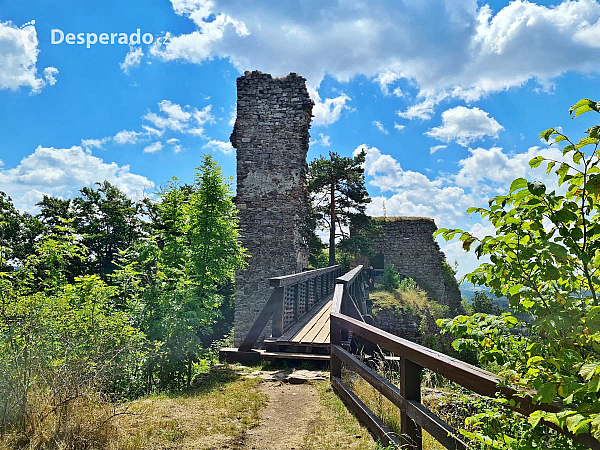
column 441, row 431
column 410, row 389
column 278, row 308
column 364, row 414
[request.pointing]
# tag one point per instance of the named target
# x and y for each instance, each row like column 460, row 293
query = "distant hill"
column 468, row 291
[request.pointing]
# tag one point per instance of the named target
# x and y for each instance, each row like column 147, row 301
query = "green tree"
column 483, row 303
column 181, row 273
column 108, row 220
column 338, row 193
column 545, row 257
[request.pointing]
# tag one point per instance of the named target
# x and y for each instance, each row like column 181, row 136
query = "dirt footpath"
column 286, row 419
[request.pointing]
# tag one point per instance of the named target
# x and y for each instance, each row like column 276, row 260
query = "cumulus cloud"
column 495, row 167
column 175, row 145
column 126, row 137
column 221, row 146
column 380, row 127
column 324, row 140
column 132, row 59
column 153, row 148
column 186, row 119
column 62, row 172
column 473, row 52
column 49, row 75
column 465, row 125
column 327, row 111
column 93, row 143
column 18, row 63
column 398, row 127
column 435, row 148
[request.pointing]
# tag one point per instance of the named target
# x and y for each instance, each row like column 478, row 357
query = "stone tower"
column 408, row 244
column 271, row 137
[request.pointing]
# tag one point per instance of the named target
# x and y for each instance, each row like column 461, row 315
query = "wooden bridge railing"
column 345, row 318
column 299, row 292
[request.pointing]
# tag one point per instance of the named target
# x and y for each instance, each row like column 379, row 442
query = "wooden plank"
column 349, row 277
column 300, row 336
column 304, row 319
column 316, row 326
column 364, row 414
column 323, row 334
column 278, row 310
column 470, row 377
column 296, row 278
column 292, row 355
column 410, row 389
column 338, row 295
column 259, row 324
column 436, row 427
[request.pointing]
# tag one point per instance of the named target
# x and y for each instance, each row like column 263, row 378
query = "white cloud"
column 221, row 146
column 18, row 64
column 153, row 148
column 465, row 125
column 132, row 59
column 485, row 168
column 327, row 111
column 93, row 143
column 186, row 119
column 62, row 172
column 435, row 148
column 49, row 75
column 421, row 111
column 175, row 145
column 380, row 126
column 473, row 52
column 126, row 137
column 324, row 140
column 398, row 127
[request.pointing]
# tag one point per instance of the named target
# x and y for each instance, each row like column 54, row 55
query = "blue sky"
column 447, row 97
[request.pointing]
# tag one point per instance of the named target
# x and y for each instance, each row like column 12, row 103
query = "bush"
column 391, row 279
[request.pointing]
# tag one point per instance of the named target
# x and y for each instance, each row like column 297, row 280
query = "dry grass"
column 383, row 408
column 335, row 427
column 217, row 413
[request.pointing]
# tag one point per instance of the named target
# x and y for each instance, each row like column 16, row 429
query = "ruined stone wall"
column 271, row 137
column 408, row 243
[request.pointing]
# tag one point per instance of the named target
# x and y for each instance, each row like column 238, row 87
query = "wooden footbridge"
column 323, row 315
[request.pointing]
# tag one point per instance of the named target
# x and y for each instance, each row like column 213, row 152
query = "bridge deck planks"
column 311, row 330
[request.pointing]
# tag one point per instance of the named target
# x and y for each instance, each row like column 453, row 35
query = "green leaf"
column 587, row 370
column 534, row 360
column 535, row 162
column 547, row 392
column 551, row 164
column 546, row 135
column 518, row 183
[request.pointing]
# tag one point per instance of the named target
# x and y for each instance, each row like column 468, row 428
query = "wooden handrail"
column 322, row 285
column 295, row 278
column 413, row 358
column 349, row 277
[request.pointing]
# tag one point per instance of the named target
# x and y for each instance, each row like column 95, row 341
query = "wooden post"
column 296, row 300
column 410, row 388
column 335, row 364
column 278, row 311
column 306, row 295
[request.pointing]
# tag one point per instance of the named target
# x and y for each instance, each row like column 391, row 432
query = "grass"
column 387, row 412
column 335, row 427
column 220, row 411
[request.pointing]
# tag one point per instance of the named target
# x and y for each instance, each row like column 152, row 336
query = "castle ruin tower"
column 271, row 137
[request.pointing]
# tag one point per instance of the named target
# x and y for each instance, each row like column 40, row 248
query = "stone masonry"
column 271, row 137
column 408, row 244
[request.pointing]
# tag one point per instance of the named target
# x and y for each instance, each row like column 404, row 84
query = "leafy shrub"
column 408, row 285
column 391, row 279
column 544, row 258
